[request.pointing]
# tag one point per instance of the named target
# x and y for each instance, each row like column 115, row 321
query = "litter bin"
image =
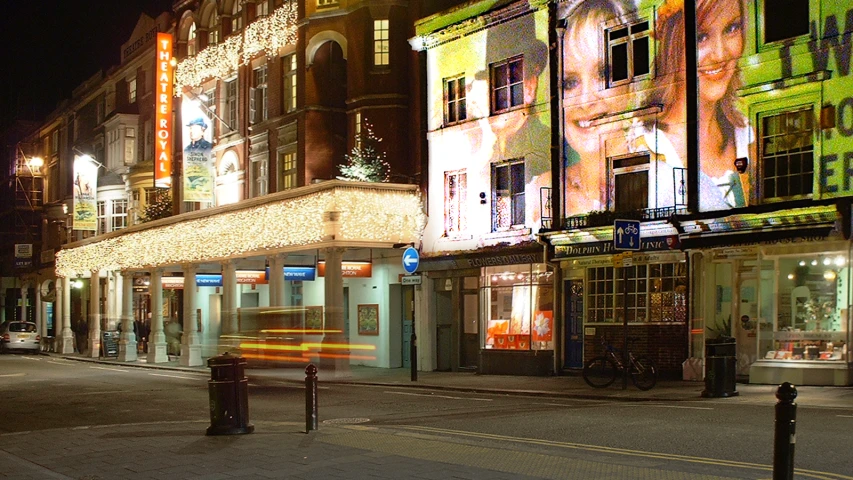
column 229, row 396
column 720, row 369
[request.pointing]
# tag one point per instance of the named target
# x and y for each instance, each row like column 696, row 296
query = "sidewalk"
column 555, row 387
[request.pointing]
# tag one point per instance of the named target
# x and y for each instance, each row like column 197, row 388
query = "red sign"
column 163, row 112
column 252, row 277
column 349, row 269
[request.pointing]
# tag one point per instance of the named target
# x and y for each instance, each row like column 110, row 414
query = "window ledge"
column 498, row 237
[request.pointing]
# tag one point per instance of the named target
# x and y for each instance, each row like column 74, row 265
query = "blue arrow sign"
column 626, row 235
column 411, row 260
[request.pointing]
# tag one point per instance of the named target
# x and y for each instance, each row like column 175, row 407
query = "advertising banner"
column 163, row 112
column 85, row 213
column 198, row 152
column 349, row 269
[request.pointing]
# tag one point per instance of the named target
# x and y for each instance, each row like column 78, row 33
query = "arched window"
column 236, row 16
column 192, row 43
column 213, row 28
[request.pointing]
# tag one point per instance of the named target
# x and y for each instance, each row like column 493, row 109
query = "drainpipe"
column 692, row 89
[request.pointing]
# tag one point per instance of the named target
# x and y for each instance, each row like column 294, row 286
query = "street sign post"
column 626, row 236
column 411, row 260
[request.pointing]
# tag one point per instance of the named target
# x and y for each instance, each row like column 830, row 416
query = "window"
column 507, row 84
column 231, row 104
column 655, row 293
column 455, row 192
column 787, row 154
column 259, row 177
column 381, row 51
column 192, row 42
column 102, row 216
column 357, row 130
column 131, row 90
column 507, row 195
column 258, row 95
column 289, row 65
column 262, row 8
column 237, row 16
column 213, row 28
column 454, row 100
column 786, row 19
column 326, row 3
column 628, row 52
column 119, row 215
column 287, row 169
column 518, row 307
column 210, row 103
column 631, row 183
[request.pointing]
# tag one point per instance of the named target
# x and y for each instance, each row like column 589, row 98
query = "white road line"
column 99, row 392
column 65, row 364
column 32, row 358
column 668, row 406
column 112, row 369
column 845, row 416
column 172, row 376
column 440, row 396
column 13, row 375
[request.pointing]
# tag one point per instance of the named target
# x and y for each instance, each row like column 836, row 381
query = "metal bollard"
column 785, row 432
column 310, row 398
column 413, row 354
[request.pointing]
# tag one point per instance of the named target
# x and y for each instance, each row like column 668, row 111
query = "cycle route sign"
column 626, row 235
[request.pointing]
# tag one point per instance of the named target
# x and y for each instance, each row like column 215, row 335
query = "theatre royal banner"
column 198, row 152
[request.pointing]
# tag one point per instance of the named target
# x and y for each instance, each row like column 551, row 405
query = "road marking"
column 440, row 396
column 624, row 451
column 99, row 392
column 32, row 358
column 667, row 406
column 13, row 375
column 172, row 376
column 64, row 364
column 113, row 369
column 845, row 416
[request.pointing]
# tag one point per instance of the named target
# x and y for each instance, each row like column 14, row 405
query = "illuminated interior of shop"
column 518, row 311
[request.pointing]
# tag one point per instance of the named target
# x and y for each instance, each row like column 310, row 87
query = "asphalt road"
column 704, row 436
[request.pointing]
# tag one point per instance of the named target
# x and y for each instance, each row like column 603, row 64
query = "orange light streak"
column 340, row 346
column 299, row 330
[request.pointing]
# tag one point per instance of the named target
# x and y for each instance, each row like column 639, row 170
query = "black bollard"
column 413, row 354
column 785, row 432
column 310, row 398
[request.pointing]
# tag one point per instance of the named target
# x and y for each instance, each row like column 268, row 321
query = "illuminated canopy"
column 332, row 213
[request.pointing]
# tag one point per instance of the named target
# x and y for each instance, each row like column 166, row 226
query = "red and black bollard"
column 785, row 432
column 310, row 398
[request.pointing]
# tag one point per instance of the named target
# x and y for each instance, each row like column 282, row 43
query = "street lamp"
column 35, row 164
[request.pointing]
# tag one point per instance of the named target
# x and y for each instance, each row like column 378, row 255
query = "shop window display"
column 518, row 313
column 655, row 293
column 813, row 294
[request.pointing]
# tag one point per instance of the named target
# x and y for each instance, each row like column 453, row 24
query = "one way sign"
column 626, row 235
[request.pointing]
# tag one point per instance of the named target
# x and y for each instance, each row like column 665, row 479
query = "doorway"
column 408, row 316
column 574, row 324
column 470, row 345
column 443, row 334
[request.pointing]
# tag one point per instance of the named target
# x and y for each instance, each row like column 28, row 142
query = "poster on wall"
column 85, row 213
column 198, row 172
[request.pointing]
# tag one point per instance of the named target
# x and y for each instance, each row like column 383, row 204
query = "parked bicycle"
column 601, row 372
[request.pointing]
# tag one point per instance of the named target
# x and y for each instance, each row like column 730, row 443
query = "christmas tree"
column 366, row 163
column 161, row 207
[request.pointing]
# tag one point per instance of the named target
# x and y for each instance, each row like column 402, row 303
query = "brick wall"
column 666, row 345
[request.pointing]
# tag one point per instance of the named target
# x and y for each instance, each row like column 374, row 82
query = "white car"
column 17, row 335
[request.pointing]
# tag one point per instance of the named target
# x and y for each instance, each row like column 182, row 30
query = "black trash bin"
column 229, row 396
column 720, row 369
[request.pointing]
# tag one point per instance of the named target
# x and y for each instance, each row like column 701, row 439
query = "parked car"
column 19, row 336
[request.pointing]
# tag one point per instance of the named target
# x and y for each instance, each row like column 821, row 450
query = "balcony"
column 601, row 218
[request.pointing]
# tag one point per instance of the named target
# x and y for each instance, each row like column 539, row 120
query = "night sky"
column 49, row 48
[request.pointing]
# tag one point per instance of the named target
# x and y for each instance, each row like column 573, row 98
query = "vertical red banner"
column 163, row 114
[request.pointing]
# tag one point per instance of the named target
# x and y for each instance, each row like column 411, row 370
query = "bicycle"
column 600, row 372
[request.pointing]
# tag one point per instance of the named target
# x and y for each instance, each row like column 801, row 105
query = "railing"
column 607, row 217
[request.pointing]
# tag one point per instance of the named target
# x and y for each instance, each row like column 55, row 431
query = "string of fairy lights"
column 266, row 35
column 367, row 214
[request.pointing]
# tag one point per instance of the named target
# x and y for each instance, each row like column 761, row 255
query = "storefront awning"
column 329, row 214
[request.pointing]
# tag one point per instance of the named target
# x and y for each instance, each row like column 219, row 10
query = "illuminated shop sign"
column 208, row 279
column 85, row 213
column 349, row 269
column 599, row 248
column 251, row 277
column 172, row 283
column 163, row 112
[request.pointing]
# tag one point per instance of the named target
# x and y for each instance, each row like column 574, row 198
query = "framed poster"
column 314, row 318
column 368, row 319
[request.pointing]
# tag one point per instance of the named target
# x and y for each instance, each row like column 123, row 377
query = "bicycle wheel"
column 644, row 374
column 599, row 372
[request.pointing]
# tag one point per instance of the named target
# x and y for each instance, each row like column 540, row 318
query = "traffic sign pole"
column 626, row 236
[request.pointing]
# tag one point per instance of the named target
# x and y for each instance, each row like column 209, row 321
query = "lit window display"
column 656, row 293
column 518, row 310
column 810, row 317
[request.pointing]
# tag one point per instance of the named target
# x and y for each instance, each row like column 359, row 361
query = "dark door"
column 469, row 354
column 443, row 334
column 574, row 324
column 408, row 293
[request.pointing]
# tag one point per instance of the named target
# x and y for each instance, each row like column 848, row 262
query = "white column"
column 95, row 314
column 127, row 341
column 63, row 316
column 157, row 339
column 190, row 345
column 24, row 302
column 334, row 309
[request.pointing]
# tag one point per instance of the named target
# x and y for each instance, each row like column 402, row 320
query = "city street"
column 61, row 418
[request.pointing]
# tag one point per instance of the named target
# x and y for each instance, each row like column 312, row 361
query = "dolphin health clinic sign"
column 163, row 112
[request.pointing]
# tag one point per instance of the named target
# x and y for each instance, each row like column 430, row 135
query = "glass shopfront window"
column 811, row 317
column 518, row 307
column 657, row 293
